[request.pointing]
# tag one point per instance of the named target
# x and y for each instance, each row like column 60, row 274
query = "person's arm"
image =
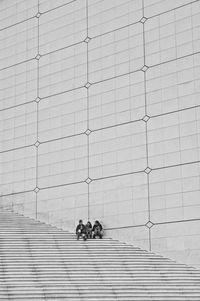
column 77, row 229
column 100, row 226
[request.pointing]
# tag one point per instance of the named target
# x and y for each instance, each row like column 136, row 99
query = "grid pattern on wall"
column 99, row 113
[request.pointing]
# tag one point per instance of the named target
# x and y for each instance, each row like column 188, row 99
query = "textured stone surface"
column 100, row 117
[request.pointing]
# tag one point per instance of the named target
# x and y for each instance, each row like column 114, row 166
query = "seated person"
column 97, row 230
column 80, row 230
column 88, row 228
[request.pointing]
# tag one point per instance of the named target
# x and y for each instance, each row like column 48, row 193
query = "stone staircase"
column 41, row 262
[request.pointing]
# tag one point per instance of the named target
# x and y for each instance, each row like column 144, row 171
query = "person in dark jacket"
column 97, row 230
column 81, row 230
column 88, row 228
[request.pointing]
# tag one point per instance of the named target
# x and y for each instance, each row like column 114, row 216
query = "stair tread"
column 39, row 261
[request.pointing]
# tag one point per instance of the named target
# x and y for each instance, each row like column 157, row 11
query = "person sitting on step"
column 88, row 228
column 97, row 230
column 81, row 230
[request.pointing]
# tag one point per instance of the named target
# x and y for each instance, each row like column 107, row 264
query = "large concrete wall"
column 100, row 117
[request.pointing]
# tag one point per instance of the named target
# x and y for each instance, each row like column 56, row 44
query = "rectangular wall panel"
column 18, row 170
column 15, row 11
column 63, row 161
column 174, row 139
column 173, row 86
column 47, row 5
column 118, row 150
column 116, row 53
column 64, row 70
column 18, row 127
column 64, row 206
column 22, row 203
column 174, row 239
column 173, row 35
column 174, row 193
column 18, row 84
column 18, row 43
column 63, row 115
column 137, row 236
column 117, row 101
column 105, row 16
column 120, row 202
column 155, row 7
column 53, row 25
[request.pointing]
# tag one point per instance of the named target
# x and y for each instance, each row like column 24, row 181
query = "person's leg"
column 99, row 234
column 89, row 233
column 95, row 233
column 84, row 236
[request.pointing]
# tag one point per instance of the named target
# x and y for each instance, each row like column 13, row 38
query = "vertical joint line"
column 150, row 247
column 87, row 32
column 37, row 122
column 87, row 17
column 36, row 167
column 38, row 33
column 148, row 198
column 147, row 149
column 143, row 33
column 87, row 63
column 88, row 139
column 145, row 93
column 38, row 87
column 88, row 112
column 144, row 46
column 38, row 76
column 38, row 49
column 88, row 156
column 36, row 199
column 36, row 206
column 88, row 202
column 142, row 7
column 88, row 173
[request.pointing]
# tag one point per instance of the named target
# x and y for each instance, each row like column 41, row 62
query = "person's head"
column 96, row 222
column 80, row 222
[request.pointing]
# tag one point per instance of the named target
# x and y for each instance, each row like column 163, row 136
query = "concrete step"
column 110, row 298
column 100, row 270
column 99, row 293
column 87, row 279
column 41, row 262
column 92, row 267
column 65, row 284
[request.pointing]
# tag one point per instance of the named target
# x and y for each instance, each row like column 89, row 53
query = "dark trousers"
column 97, row 233
column 89, row 233
column 81, row 234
